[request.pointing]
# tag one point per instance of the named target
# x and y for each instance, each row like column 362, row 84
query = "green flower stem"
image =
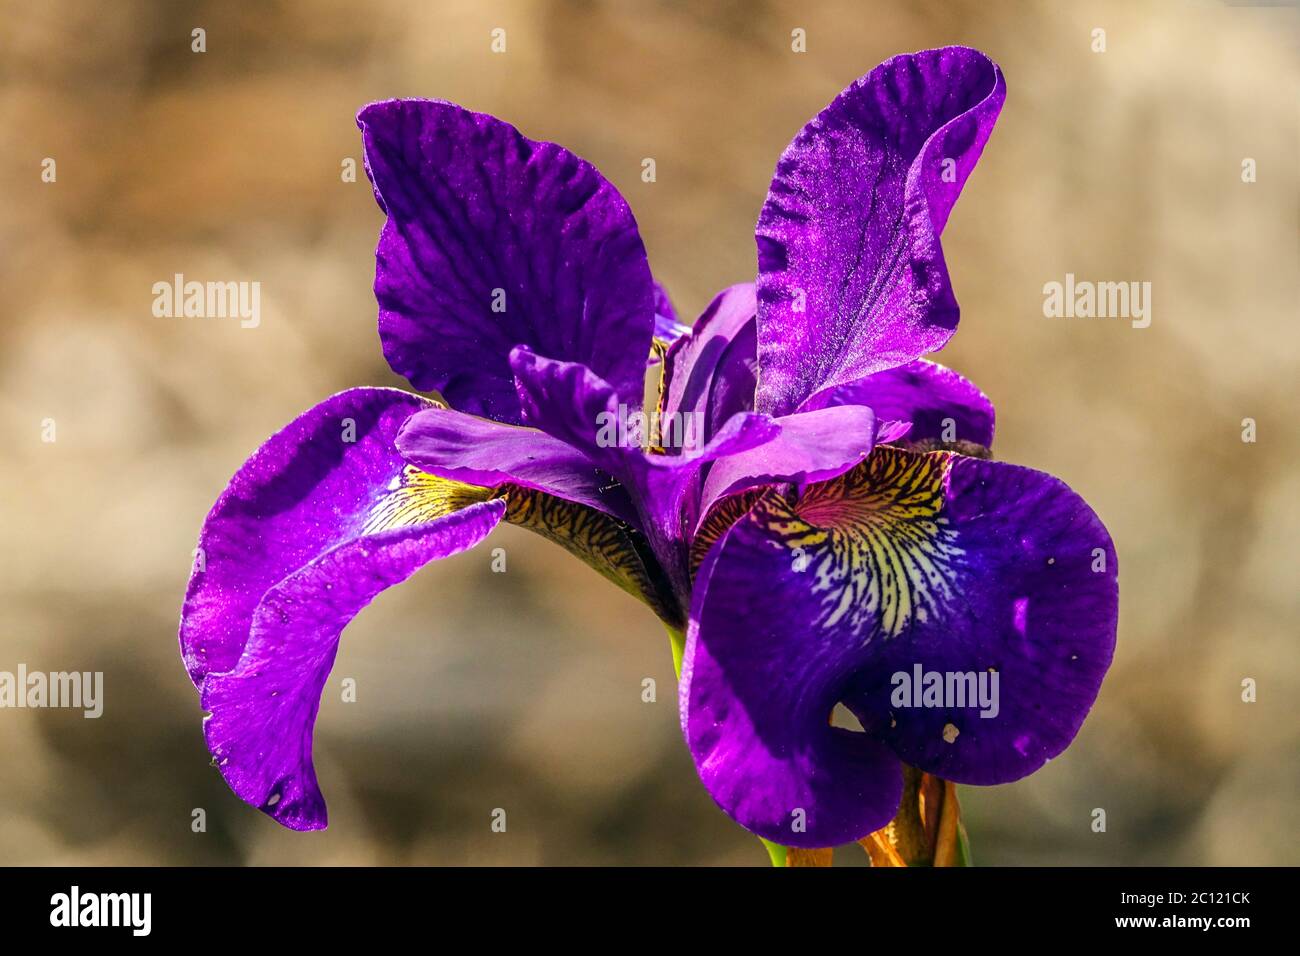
column 677, row 638
column 775, row 851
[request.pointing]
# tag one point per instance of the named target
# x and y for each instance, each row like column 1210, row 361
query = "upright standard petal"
column 492, row 241
column 323, row 516
column 710, row 375
column 852, row 278
column 909, row 564
column 941, row 405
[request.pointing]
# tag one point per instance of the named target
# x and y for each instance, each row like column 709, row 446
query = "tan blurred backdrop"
column 523, row 690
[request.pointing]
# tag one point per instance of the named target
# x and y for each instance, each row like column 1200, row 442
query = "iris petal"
column 852, row 278
column 312, row 486
column 1021, row 606
column 263, row 711
column 953, row 564
column 940, row 404
column 492, row 241
column 321, row 518
column 483, row 452
column 572, row 404
column 712, row 372
column 812, row 446
column 756, row 695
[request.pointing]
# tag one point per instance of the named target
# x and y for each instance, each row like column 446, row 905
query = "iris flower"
column 834, row 521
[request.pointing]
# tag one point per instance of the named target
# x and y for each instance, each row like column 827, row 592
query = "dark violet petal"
column 667, row 488
column 483, row 452
column 324, row 516
column 665, row 312
column 317, row 483
column 852, row 278
column 571, row 403
column 712, row 372
column 667, row 329
column 756, row 705
column 954, row 564
column 492, row 241
column 263, row 711
column 666, row 333
column 741, row 433
column 1024, row 581
column 940, row 404
column 811, row 446
column 893, row 431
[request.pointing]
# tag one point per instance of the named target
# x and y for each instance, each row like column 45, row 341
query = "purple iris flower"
column 806, row 503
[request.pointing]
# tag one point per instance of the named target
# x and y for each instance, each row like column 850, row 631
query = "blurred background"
column 522, row 690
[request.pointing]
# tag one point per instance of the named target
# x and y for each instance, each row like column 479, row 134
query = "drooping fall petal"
column 911, row 563
column 322, row 517
column 263, row 711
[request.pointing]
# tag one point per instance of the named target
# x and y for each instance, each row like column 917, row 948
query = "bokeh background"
column 523, row 690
